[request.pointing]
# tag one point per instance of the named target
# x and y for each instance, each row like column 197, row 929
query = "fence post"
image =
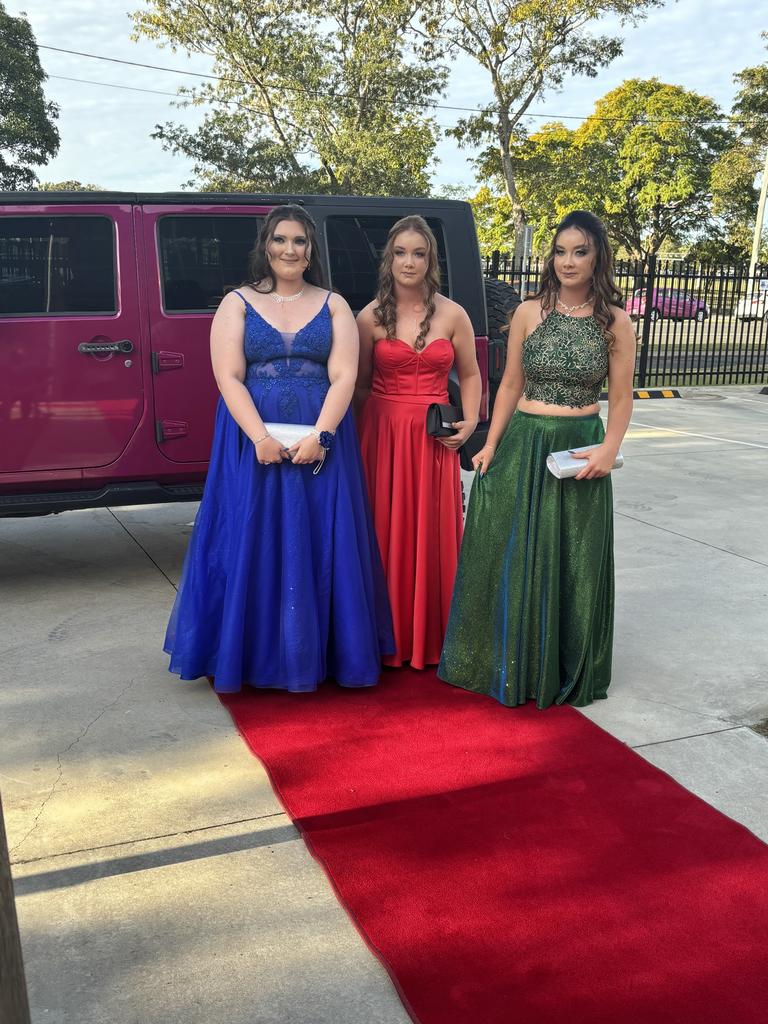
column 14, row 1005
column 495, row 259
column 650, row 281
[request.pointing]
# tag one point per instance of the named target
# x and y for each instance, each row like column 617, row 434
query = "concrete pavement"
column 157, row 877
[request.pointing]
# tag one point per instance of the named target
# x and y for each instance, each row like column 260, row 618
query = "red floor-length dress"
column 415, row 491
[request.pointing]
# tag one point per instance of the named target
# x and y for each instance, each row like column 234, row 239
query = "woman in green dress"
column 532, row 609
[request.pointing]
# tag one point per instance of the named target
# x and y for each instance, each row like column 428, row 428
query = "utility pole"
column 759, row 222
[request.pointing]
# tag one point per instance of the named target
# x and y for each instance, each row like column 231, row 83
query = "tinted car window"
column 202, row 258
column 355, row 245
column 56, row 265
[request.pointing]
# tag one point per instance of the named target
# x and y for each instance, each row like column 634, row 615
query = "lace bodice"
column 287, row 360
column 565, row 360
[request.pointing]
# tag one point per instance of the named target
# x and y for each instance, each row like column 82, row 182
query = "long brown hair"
column 605, row 292
column 385, row 310
column 259, row 269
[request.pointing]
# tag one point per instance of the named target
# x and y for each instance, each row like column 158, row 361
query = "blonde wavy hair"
column 385, row 310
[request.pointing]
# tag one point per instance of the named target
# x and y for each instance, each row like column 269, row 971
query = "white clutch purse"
column 289, row 433
column 563, row 465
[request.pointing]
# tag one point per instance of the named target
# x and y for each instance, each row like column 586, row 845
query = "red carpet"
column 517, row 865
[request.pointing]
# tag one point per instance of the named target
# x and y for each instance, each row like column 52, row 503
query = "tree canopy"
column 643, row 162
column 330, row 99
column 734, row 195
column 527, row 48
column 28, row 135
column 68, row 186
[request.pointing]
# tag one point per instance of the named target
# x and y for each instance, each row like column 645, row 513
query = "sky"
column 105, row 132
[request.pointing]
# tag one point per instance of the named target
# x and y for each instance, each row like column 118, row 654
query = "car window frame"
column 74, row 314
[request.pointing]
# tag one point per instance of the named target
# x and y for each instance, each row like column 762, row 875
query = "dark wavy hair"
column 385, row 310
column 605, row 292
column 259, row 270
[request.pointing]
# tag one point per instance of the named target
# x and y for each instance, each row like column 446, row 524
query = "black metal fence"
column 696, row 323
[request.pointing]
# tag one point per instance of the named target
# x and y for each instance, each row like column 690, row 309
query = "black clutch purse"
column 440, row 419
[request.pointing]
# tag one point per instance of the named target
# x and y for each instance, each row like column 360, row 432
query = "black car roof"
column 224, row 198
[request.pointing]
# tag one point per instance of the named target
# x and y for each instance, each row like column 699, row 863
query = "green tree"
column 734, row 195
column 28, row 135
column 527, row 48
column 330, row 99
column 750, row 105
column 643, row 161
column 494, row 218
column 68, row 186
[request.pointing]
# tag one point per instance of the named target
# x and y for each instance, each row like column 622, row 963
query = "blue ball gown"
column 282, row 584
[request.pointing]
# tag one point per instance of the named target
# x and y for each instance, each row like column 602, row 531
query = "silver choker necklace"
column 572, row 309
column 286, row 298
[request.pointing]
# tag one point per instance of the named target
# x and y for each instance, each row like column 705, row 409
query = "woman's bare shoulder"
column 337, row 303
column 529, row 312
column 366, row 313
column 620, row 316
column 452, row 310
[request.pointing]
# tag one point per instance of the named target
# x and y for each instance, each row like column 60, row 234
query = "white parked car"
column 753, row 307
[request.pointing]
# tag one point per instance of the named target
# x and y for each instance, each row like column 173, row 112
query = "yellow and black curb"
column 650, row 393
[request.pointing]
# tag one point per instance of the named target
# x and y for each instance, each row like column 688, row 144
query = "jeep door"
column 194, row 255
column 71, row 393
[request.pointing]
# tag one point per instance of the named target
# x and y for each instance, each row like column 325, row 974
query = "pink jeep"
column 106, row 390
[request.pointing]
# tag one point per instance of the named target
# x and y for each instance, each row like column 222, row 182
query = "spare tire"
column 501, row 301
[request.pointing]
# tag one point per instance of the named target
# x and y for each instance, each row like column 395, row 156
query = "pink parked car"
column 667, row 303
column 106, row 300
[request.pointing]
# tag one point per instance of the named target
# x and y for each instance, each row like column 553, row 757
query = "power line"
column 214, row 78
column 306, row 92
column 175, row 95
column 112, row 85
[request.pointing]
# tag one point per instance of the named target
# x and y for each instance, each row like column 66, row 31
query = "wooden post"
column 14, row 1005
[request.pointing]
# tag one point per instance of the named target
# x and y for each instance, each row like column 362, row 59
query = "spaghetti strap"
column 245, row 301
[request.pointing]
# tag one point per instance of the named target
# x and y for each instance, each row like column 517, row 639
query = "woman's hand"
column 483, row 459
column 599, row 462
column 305, row 451
column 464, row 430
column 270, row 451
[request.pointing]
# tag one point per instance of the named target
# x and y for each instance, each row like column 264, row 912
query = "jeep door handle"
column 105, row 346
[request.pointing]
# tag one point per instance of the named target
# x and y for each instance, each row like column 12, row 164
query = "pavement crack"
column 153, row 838
column 693, row 540
column 691, row 711
column 139, row 545
column 60, row 766
column 692, row 736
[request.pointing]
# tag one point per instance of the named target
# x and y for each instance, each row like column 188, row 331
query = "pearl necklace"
column 572, row 309
column 286, row 298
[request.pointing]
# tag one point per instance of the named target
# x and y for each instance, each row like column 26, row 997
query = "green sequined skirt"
column 532, row 609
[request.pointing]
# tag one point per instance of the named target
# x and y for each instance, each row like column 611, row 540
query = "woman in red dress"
column 410, row 337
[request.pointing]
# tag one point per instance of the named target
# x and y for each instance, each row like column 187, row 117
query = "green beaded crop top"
column 565, row 360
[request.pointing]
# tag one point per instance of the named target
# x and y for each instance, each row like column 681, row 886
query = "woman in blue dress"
column 282, row 584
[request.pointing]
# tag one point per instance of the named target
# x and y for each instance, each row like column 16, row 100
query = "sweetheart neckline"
column 417, row 352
